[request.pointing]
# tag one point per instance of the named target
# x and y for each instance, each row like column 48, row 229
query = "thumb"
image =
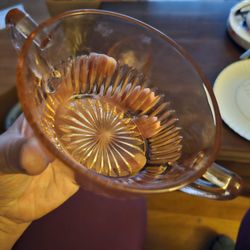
column 33, row 157
column 22, row 155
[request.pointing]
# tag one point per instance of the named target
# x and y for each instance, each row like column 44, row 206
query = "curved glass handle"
column 21, row 25
column 217, row 183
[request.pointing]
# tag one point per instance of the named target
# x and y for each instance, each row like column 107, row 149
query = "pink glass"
column 166, row 67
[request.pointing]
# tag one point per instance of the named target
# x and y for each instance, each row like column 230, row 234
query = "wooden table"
column 200, row 27
column 175, row 221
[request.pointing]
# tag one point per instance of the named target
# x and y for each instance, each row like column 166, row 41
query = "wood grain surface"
column 200, row 27
column 177, row 221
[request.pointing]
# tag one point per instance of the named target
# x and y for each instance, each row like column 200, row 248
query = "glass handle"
column 217, row 183
column 20, row 25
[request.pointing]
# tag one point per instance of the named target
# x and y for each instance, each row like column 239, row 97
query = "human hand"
column 32, row 183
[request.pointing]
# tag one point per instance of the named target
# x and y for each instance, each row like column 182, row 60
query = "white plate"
column 232, row 91
column 236, row 29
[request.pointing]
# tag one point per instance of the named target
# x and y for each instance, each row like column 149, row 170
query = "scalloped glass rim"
column 99, row 180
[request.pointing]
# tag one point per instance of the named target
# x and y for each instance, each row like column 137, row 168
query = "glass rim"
column 88, row 174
